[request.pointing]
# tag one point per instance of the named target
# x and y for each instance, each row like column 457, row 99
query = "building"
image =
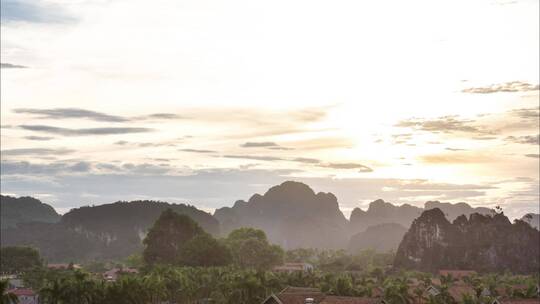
column 292, row 267
column 300, row 295
column 63, row 266
column 25, row 295
column 113, row 274
column 457, row 274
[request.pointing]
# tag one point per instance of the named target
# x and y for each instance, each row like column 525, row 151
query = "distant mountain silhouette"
column 532, row 219
column 100, row 232
column 381, row 237
column 292, row 215
column 25, row 209
column 381, row 212
column 481, row 242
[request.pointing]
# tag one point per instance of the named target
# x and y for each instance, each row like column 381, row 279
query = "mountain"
column 100, row 232
column 381, row 237
column 25, row 209
column 485, row 243
column 532, row 219
column 292, row 215
column 381, row 212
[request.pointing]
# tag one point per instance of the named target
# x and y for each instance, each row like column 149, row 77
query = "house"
column 432, row 291
column 457, row 274
column 63, row 266
column 292, row 267
column 113, row 274
column 25, row 295
column 300, row 295
column 458, row 291
column 519, row 301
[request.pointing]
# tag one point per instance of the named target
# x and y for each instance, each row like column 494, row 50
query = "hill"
column 292, row 215
column 482, row 242
column 381, row 212
column 100, row 232
column 25, row 209
column 382, row 238
column 532, row 219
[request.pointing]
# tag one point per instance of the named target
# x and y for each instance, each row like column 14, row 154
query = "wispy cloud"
column 197, row 150
column 255, row 157
column 526, row 139
column 83, row 132
column 508, row 87
column 264, row 144
column 11, row 66
column 68, row 113
column 445, row 124
column 35, row 151
column 39, row 138
column 35, row 11
column 533, row 155
column 77, row 113
column 360, row 167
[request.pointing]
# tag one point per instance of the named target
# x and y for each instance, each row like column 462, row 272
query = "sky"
column 208, row 102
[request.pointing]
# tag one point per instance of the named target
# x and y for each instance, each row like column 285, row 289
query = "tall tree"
column 167, row 237
column 250, row 248
column 19, row 259
column 204, row 250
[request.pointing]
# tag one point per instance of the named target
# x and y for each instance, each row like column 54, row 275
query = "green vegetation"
column 5, row 296
column 18, row 259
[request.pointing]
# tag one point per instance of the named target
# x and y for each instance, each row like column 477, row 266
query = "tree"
column 250, row 248
column 204, row 250
column 19, row 259
column 7, row 297
column 167, row 237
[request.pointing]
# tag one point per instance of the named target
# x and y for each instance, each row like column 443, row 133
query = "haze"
column 208, row 102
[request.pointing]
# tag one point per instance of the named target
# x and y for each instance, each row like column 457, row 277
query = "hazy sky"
column 207, row 102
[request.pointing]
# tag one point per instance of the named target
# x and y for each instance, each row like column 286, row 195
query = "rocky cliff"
column 485, row 243
column 292, row 215
column 381, row 212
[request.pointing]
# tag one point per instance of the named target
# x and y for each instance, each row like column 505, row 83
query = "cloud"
column 306, row 160
column 78, row 113
column 67, row 113
column 527, row 113
column 455, row 149
column 39, row 138
column 513, row 86
column 12, row 66
column 445, row 124
column 254, row 157
column 455, row 158
column 533, row 155
column 361, row 168
column 527, row 139
column 34, row 11
column 197, row 150
column 83, row 132
column 35, row 151
column 263, row 144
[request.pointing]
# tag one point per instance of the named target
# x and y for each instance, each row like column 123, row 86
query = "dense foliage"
column 18, row 259
column 23, row 210
column 231, row 285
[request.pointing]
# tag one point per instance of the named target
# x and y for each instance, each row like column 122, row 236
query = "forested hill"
column 99, row 232
column 25, row 209
column 123, row 218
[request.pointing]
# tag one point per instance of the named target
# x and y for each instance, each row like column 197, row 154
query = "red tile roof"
column 23, row 292
column 458, row 274
column 348, row 300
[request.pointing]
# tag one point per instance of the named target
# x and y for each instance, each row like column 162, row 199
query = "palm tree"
column 7, row 297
